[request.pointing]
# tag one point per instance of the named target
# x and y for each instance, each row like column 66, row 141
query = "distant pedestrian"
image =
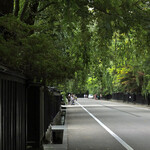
column 72, row 99
column 101, row 96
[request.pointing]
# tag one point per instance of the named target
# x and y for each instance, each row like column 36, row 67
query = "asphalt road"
column 106, row 125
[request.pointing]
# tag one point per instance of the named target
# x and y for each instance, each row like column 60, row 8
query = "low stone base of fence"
column 57, row 133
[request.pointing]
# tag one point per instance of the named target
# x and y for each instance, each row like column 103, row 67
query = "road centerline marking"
column 123, row 143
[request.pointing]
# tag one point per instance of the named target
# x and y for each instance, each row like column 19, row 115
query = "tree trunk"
column 32, row 10
column 6, row 7
column 32, row 13
column 16, row 8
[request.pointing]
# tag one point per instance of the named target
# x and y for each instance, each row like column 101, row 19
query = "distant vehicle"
column 90, row 96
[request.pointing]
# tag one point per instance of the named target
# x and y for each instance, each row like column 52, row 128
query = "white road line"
column 108, row 130
column 94, row 106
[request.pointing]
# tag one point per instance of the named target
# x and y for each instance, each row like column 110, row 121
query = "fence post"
column 148, row 99
column 35, row 114
column 0, row 115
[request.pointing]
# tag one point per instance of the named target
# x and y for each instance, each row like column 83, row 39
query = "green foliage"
column 64, row 94
column 101, row 46
column 36, row 56
column 93, row 85
column 12, row 31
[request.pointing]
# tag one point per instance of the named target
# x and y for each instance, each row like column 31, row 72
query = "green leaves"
column 75, row 40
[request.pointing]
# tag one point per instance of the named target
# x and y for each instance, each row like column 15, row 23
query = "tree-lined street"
column 50, row 49
column 127, row 122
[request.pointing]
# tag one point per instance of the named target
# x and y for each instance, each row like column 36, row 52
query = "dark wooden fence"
column 132, row 97
column 80, row 95
column 52, row 102
column 12, row 111
column 26, row 110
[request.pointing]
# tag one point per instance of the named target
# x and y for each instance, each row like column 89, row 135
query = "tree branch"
column 24, row 9
column 46, row 6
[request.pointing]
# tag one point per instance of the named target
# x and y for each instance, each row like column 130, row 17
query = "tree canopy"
column 97, row 45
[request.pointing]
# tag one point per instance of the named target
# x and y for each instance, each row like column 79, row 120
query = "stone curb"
column 64, row 145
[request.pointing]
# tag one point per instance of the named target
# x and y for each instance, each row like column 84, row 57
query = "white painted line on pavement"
column 67, row 106
column 108, row 130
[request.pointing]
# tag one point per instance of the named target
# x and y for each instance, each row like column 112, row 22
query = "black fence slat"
column 14, row 114
column 1, row 114
column 5, row 112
